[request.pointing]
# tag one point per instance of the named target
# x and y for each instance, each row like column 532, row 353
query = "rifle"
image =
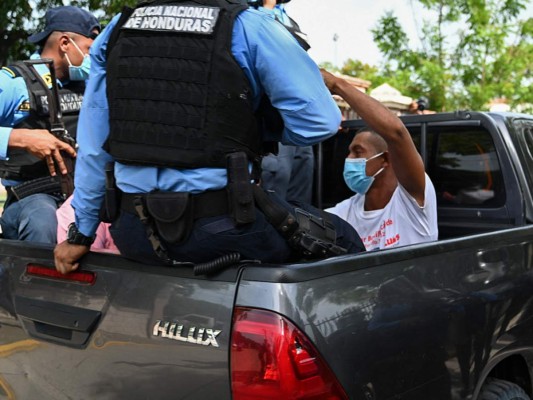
column 57, row 126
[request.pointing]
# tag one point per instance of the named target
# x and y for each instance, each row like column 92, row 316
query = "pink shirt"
column 103, row 242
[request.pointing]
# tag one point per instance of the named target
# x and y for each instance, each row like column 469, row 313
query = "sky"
column 352, row 21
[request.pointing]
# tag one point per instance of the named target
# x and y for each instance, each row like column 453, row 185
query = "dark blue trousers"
column 217, row 236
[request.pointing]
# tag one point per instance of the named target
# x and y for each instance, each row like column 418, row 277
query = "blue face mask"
column 355, row 174
column 79, row 72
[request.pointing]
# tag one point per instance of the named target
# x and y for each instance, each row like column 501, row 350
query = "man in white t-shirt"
column 395, row 202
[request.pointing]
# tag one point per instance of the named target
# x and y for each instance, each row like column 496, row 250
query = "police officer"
column 289, row 172
column 30, row 154
column 171, row 98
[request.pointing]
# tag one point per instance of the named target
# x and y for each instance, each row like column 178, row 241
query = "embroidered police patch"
column 69, row 103
column 24, row 106
column 186, row 19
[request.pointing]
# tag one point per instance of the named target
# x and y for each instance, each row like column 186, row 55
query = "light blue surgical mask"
column 355, row 174
column 79, row 72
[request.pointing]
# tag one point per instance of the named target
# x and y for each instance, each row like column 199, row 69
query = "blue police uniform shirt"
column 274, row 64
column 279, row 13
column 13, row 94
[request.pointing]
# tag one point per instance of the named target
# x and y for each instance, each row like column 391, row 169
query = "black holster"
column 111, row 206
column 240, row 189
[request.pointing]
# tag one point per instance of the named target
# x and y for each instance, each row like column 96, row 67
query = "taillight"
column 87, row 277
column 272, row 359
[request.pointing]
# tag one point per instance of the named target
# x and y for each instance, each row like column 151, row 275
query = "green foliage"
column 13, row 15
column 328, row 66
column 471, row 52
column 490, row 58
column 392, row 39
column 19, row 18
column 360, row 70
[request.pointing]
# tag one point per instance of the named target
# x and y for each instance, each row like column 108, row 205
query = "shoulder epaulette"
column 12, row 71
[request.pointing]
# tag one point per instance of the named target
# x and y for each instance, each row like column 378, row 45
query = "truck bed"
column 431, row 315
column 427, row 321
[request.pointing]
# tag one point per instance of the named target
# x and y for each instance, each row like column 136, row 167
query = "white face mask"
column 79, row 72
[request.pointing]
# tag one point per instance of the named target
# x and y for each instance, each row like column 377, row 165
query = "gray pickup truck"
column 450, row 319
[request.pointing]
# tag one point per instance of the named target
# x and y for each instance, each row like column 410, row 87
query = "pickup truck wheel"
column 498, row 389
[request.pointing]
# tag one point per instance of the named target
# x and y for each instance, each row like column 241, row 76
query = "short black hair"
column 377, row 140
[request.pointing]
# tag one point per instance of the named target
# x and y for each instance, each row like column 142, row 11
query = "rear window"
column 464, row 167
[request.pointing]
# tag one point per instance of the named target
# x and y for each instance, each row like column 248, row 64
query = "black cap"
column 67, row 19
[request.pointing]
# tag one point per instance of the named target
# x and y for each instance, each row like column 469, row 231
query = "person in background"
column 420, row 106
column 395, row 202
column 103, row 241
column 30, row 156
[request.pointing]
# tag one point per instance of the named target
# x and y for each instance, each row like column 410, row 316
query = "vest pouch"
column 172, row 215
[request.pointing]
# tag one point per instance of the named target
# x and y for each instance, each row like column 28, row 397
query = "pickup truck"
column 450, row 319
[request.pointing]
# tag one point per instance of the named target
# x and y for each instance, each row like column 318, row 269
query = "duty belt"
column 206, row 204
column 180, row 213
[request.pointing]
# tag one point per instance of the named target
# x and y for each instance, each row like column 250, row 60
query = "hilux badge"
column 176, row 331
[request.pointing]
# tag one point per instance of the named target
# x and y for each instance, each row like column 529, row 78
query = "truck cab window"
column 465, row 169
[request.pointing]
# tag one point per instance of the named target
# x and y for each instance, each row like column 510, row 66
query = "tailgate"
column 136, row 332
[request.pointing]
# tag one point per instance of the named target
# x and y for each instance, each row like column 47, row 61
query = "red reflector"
column 46, row 272
column 272, row 359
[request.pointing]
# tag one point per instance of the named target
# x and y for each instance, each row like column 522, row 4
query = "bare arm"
column 42, row 144
column 406, row 161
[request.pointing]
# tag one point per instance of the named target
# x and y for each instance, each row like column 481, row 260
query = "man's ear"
column 63, row 43
column 386, row 158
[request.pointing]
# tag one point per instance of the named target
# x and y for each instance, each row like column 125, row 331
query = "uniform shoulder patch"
column 9, row 71
column 47, row 78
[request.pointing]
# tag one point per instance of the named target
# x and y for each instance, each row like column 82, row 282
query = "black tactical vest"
column 177, row 97
column 21, row 165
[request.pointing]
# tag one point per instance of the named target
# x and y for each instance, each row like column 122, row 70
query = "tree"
column 13, row 15
column 359, row 69
column 329, row 66
column 362, row 70
column 18, row 19
column 462, row 68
